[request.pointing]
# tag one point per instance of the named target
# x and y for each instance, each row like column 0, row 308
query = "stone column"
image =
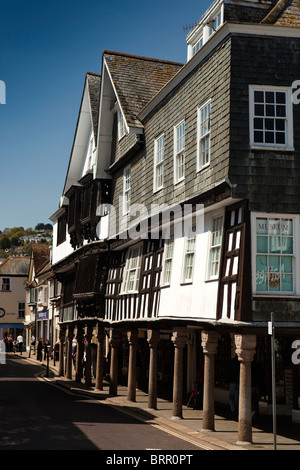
column 79, row 354
column 153, row 337
column 179, row 338
column 131, row 387
column 100, row 350
column 245, row 350
column 69, row 352
column 88, row 355
column 209, row 343
column 115, row 340
column 62, row 337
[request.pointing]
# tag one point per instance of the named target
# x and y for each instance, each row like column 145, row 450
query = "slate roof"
column 289, row 14
column 94, row 84
column 137, row 80
column 15, row 265
column 41, row 256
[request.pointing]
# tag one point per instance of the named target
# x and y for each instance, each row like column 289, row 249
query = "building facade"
column 177, row 232
column 13, row 275
column 39, row 311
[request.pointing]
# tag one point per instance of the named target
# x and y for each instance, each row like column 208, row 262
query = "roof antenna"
column 188, row 27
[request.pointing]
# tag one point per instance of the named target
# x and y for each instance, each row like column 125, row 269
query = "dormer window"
column 198, row 45
column 215, row 23
column 202, row 32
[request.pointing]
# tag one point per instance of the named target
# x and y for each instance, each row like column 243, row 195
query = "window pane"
column 286, row 264
column 287, row 282
column 262, row 244
column 287, row 245
column 261, row 263
column 259, row 110
column 274, row 244
column 259, row 96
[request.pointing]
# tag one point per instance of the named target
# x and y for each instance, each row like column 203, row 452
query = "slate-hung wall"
column 209, row 80
column 270, row 179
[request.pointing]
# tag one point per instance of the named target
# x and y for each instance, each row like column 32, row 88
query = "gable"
column 86, row 128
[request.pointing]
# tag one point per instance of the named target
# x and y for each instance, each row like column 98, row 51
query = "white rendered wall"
column 199, row 298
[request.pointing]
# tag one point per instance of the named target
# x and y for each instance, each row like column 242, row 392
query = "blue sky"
column 46, row 47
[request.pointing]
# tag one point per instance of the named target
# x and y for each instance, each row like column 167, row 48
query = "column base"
column 244, row 443
column 176, row 418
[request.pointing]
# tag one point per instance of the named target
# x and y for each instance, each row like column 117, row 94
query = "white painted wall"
column 63, row 250
column 198, row 299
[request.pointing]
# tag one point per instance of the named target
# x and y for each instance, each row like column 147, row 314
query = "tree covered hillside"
column 18, row 240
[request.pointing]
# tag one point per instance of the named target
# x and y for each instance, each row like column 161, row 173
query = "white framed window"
column 167, row 262
column 204, row 135
column 197, row 46
column 216, row 22
column 121, row 125
column 179, row 152
column 215, row 247
column 274, row 261
column 271, row 116
column 6, row 284
column 126, row 189
column 189, row 259
column 159, row 149
column 202, row 33
column 132, row 269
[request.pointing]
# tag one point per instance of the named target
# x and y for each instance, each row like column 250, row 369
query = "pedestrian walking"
column 39, row 350
column 20, row 343
column 74, row 352
column 46, row 349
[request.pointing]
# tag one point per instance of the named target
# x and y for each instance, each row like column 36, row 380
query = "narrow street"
column 36, row 415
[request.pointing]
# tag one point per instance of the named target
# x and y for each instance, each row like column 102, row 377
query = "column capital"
column 209, row 341
column 115, row 337
column 179, row 337
column 245, row 347
column 153, row 338
column 132, row 336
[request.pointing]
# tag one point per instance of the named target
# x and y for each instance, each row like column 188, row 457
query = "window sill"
column 272, row 148
column 165, row 286
column 203, row 167
column 186, row 283
column 158, row 190
column 179, row 183
column 272, row 296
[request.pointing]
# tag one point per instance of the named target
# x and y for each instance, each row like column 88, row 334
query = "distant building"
column 38, row 314
column 13, row 275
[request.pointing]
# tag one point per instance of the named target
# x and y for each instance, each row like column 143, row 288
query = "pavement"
column 225, row 436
